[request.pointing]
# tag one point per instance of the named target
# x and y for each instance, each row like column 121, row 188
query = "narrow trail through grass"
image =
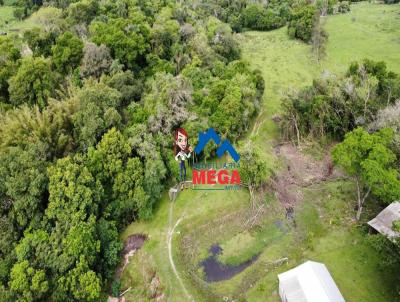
column 170, row 234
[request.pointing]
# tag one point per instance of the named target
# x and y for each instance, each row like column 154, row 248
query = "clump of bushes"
column 333, row 106
column 329, row 7
column 258, row 17
column 302, row 22
column 342, row 7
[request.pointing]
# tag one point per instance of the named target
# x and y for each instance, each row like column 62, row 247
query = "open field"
column 9, row 24
column 194, row 208
column 369, row 31
column 324, row 228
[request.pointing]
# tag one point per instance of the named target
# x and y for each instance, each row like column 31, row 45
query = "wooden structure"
column 174, row 191
column 383, row 222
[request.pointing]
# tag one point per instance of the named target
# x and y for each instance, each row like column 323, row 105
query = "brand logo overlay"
column 216, row 176
column 210, row 134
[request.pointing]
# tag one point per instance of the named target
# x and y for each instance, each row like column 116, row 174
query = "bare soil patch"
column 300, row 170
column 132, row 243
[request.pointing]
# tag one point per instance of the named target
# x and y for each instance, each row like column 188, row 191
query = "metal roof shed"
column 308, row 282
column 383, row 223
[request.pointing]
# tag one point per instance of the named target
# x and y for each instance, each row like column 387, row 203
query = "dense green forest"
column 86, row 131
column 90, row 97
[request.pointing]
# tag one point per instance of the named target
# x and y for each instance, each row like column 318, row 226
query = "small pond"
column 216, row 271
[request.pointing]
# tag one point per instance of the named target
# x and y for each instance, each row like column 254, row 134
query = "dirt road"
column 170, row 234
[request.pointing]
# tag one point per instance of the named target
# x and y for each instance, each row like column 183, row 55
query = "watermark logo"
column 217, row 176
column 210, row 134
column 207, row 176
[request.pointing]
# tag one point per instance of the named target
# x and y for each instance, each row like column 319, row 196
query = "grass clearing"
column 196, row 208
column 369, row 31
column 141, row 276
column 10, row 25
column 340, row 245
column 6, row 15
column 324, row 229
column 244, row 246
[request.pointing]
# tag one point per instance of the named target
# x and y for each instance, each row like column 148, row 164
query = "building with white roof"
column 308, row 282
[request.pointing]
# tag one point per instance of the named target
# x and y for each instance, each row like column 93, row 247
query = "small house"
column 308, row 282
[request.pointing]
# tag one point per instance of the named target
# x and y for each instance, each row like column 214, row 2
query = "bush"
column 19, row 13
column 326, row 7
column 115, row 288
column 260, row 18
column 251, row 14
column 302, row 22
column 342, row 7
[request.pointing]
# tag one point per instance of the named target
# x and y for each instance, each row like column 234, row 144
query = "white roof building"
column 383, row 223
column 308, row 282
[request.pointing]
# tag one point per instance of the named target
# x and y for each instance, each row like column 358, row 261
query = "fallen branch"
column 279, row 261
column 126, row 291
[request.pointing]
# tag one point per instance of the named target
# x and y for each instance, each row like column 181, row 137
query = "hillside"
column 194, row 150
column 325, row 220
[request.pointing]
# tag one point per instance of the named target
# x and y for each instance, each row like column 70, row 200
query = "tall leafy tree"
column 74, row 194
column 96, row 60
column 253, row 171
column 167, row 102
column 227, row 116
column 97, row 111
column 24, row 184
column 121, row 175
column 67, row 52
column 50, row 128
column 50, row 20
column 9, row 56
column 82, row 12
column 27, row 283
column 79, row 284
column 128, row 39
column 34, row 83
column 165, row 35
column 39, row 41
column 368, row 159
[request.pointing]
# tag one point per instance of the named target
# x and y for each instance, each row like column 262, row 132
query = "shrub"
column 326, row 7
column 258, row 17
column 19, row 13
column 342, row 7
column 115, row 288
column 302, row 22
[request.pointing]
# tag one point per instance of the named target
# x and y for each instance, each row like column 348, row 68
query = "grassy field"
column 368, row 31
column 10, row 25
column 324, row 229
column 325, row 232
column 195, row 208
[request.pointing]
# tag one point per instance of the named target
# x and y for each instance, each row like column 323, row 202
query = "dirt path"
column 257, row 123
column 169, row 245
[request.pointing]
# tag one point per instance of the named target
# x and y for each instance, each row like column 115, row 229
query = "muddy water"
column 216, row 271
